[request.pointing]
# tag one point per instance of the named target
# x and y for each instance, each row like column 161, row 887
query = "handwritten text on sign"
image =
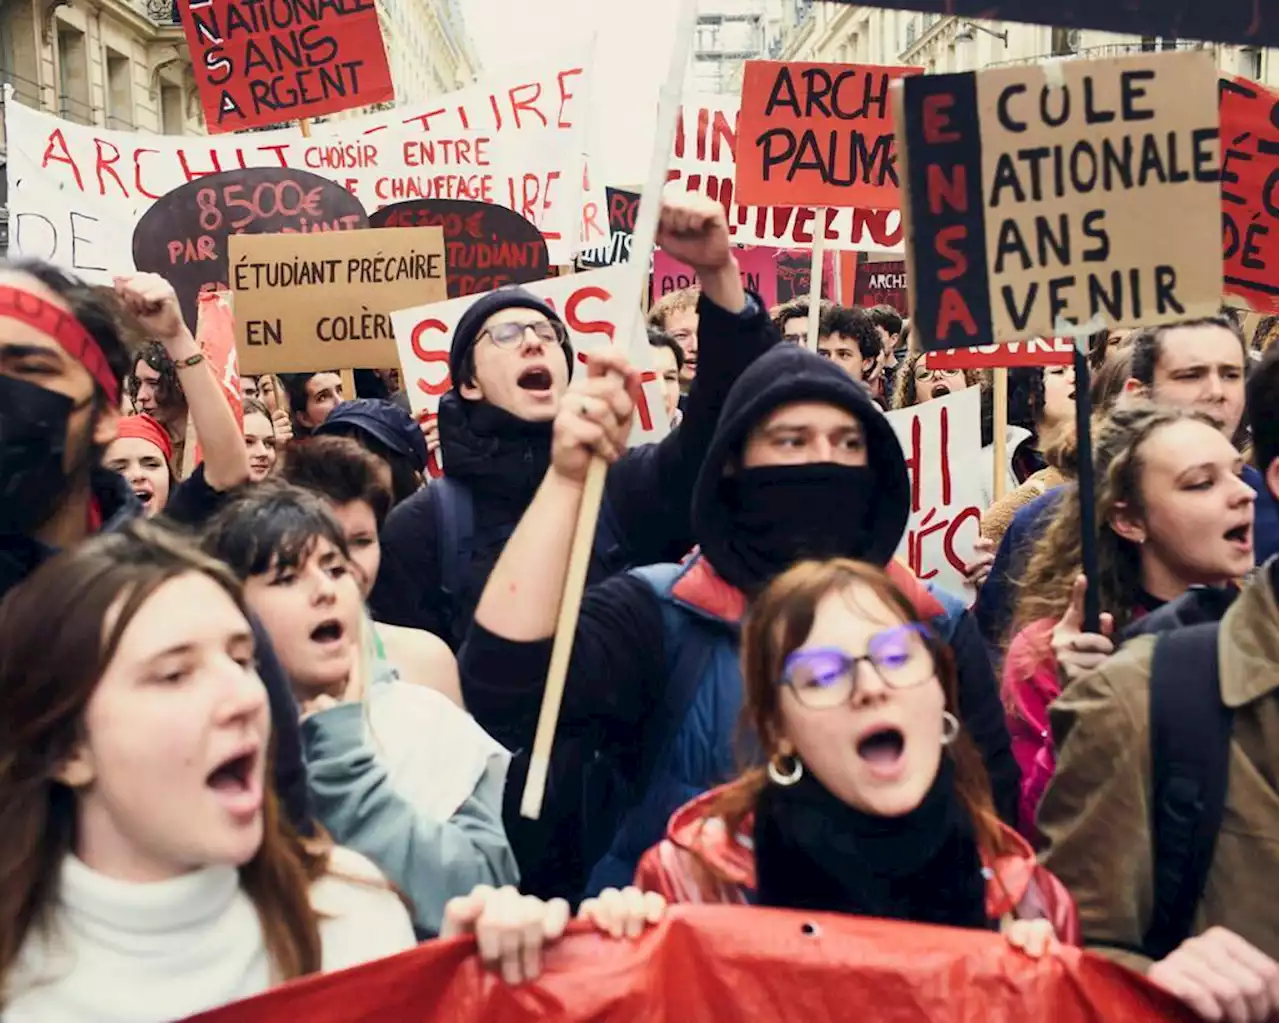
column 1033, row 201
column 593, row 308
column 817, row 135
column 325, row 301
column 259, row 64
column 702, row 161
column 1040, row 351
column 942, row 440
column 1250, row 173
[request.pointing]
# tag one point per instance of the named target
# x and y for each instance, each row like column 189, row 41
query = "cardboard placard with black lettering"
column 183, row 236
column 1250, row 177
column 486, row 246
column 325, row 301
column 1252, row 22
column 816, row 135
column 622, row 208
column 1037, row 200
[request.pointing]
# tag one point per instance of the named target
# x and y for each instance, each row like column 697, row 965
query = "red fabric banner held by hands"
column 730, row 964
column 263, row 64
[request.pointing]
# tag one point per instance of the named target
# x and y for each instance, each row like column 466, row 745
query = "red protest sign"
column 882, row 283
column 1250, row 168
column 1040, row 351
column 261, row 64
column 817, row 135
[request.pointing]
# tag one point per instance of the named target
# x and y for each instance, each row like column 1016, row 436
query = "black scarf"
column 815, row 852
column 500, row 457
column 782, row 514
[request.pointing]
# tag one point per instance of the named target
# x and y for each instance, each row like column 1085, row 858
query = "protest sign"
column 76, row 190
column 184, row 236
column 942, row 442
column 486, row 246
column 594, row 308
column 881, row 284
column 1224, row 21
column 1250, row 169
column 216, row 336
column 816, row 135
column 1039, row 351
column 622, row 207
column 722, row 964
column 702, row 161
column 795, row 270
column 758, row 268
column 260, row 64
column 1089, row 197
column 325, row 301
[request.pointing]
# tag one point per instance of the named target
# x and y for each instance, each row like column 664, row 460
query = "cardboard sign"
column 75, row 191
column 757, row 267
column 881, row 284
column 592, row 308
column 324, row 302
column 1040, row 351
column 1250, row 169
column 486, row 246
column 622, row 207
column 261, row 64
column 184, row 236
column 1224, row 21
column 942, row 441
column 1090, row 197
column 816, row 135
column 702, row 161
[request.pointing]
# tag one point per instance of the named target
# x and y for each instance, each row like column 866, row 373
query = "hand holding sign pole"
column 584, row 534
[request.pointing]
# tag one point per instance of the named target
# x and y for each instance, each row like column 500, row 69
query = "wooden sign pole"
column 589, row 512
column 815, row 276
column 1000, row 431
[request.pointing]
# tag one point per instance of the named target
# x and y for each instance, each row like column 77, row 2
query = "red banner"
column 1041, row 351
column 1250, row 169
column 262, row 64
column 725, row 964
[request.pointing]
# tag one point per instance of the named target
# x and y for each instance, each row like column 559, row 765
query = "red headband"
column 25, row 307
column 143, row 427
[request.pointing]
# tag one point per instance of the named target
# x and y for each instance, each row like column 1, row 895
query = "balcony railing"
column 1109, row 50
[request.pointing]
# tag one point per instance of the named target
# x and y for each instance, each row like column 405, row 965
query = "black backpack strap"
column 1190, row 750
column 455, row 536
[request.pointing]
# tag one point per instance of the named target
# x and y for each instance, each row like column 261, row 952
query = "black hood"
column 784, row 375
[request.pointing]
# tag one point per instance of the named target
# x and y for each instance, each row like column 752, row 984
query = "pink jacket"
column 1029, row 684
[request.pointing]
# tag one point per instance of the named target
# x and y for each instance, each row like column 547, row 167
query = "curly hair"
column 854, row 324
column 1045, row 586
column 904, row 387
column 797, row 308
column 168, row 390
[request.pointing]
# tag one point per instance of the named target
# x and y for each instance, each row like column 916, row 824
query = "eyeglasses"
column 825, row 677
column 508, row 335
column 924, row 373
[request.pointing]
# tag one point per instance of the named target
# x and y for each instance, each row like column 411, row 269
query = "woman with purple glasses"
column 873, row 802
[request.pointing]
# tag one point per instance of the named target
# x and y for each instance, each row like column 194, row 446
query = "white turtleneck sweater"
column 145, row 953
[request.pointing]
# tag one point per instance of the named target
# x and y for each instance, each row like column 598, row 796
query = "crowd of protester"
column 268, row 705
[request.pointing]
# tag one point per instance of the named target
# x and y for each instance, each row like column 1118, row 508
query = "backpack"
column 1190, row 750
column 455, row 538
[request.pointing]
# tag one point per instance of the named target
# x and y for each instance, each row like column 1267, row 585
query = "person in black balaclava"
column 510, row 362
column 62, row 370
column 803, row 465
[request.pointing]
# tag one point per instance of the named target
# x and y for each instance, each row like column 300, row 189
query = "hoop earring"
column 776, row 774
column 950, row 727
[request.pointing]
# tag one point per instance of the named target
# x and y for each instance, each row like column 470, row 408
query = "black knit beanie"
column 468, row 330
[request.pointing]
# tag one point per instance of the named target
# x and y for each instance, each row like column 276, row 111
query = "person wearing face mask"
column 1174, row 514
column 874, row 801
column 510, row 364
column 803, row 465
column 392, row 774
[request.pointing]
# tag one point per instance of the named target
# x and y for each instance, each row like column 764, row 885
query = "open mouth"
column 536, row 378
column 145, row 496
column 1241, row 534
column 234, row 775
column 939, row 391
column 882, row 748
column 330, row 631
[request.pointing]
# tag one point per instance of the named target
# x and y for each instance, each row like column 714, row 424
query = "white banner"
column 942, row 442
column 593, row 308
column 703, row 162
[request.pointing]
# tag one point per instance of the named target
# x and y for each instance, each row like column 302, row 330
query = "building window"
column 73, row 76
column 172, row 120
column 119, row 91
column 1064, row 42
column 1251, row 62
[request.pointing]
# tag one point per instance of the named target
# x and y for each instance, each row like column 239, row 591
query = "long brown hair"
column 1045, row 587
column 904, row 387
column 59, row 631
column 779, row 622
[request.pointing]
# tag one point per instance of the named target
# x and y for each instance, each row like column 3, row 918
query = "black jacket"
column 502, row 461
